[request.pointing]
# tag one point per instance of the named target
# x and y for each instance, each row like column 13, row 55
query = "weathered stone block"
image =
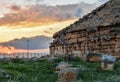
column 68, row 74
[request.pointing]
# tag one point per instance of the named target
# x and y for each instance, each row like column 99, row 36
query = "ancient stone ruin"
column 96, row 32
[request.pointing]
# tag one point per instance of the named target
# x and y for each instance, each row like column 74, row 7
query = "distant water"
column 22, row 55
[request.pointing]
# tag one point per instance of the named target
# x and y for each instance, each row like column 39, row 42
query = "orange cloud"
column 7, row 49
column 11, row 50
column 39, row 20
column 26, row 18
column 15, row 8
column 47, row 30
column 39, row 15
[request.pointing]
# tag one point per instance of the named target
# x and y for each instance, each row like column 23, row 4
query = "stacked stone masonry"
column 98, row 31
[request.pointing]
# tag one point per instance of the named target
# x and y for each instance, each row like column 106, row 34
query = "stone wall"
column 98, row 31
column 102, row 40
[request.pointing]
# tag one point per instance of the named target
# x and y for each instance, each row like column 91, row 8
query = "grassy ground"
column 41, row 71
column 20, row 71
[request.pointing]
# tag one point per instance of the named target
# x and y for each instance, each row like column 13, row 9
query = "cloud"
column 38, row 15
column 103, row 1
column 8, row 34
column 10, row 49
column 7, row 49
column 15, row 8
column 99, row 2
column 35, row 43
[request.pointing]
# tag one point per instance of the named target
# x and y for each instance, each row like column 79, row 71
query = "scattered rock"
column 108, row 62
column 46, row 56
column 51, row 59
column 92, row 57
column 106, row 65
column 108, row 58
column 6, row 59
column 62, row 65
column 33, row 59
column 68, row 57
column 25, row 59
column 68, row 74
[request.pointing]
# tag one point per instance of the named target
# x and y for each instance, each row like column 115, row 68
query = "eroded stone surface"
column 98, row 31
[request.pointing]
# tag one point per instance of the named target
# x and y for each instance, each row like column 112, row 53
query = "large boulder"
column 107, row 66
column 108, row 58
column 108, row 62
column 92, row 57
column 59, row 54
column 68, row 74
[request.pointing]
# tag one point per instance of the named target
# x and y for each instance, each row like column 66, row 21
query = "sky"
column 37, row 21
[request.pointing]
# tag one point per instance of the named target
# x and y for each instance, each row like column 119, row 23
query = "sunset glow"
column 9, row 52
column 47, row 30
column 36, row 20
